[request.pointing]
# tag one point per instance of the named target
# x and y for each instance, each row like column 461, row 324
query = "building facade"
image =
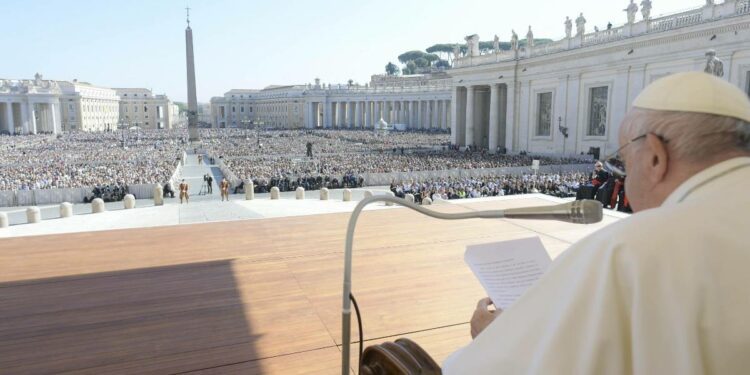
column 29, row 106
column 416, row 102
column 140, row 107
column 570, row 96
column 89, row 108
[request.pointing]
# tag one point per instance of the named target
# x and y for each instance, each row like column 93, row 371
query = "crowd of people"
column 557, row 184
column 283, row 158
column 75, row 160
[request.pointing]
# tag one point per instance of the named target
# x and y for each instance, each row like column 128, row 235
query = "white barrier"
column 97, row 206
column 158, row 195
column 347, row 195
column 426, row 202
column 409, row 198
column 274, row 193
column 324, row 194
column 33, row 215
column 249, row 191
column 4, row 220
column 66, row 209
column 368, row 193
column 300, row 193
column 128, row 202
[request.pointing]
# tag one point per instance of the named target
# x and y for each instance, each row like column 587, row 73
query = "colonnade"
column 480, row 116
column 355, row 114
column 29, row 117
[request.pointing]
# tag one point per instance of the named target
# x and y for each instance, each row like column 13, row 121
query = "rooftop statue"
column 514, row 40
column 632, row 9
column 580, row 25
column 646, row 9
column 568, row 27
column 530, row 38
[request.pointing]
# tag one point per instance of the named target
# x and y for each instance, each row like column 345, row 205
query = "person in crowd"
column 224, row 189
column 184, row 187
column 664, row 291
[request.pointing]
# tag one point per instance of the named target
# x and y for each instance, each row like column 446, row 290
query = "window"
column 233, row 109
column 135, row 108
column 242, row 109
column 145, row 109
column 598, row 111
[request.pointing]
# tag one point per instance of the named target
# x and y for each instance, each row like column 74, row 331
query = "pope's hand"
column 483, row 316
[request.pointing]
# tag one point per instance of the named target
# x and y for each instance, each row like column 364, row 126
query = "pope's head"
column 678, row 126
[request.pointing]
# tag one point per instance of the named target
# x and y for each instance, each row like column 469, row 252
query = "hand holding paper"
column 506, row 269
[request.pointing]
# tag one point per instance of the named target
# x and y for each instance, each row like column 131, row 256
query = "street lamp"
column 246, row 123
column 563, row 130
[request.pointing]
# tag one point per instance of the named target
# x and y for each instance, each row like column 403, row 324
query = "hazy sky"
column 254, row 43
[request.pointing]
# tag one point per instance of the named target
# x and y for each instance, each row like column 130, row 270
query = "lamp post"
column 563, row 130
column 246, row 124
column 123, row 125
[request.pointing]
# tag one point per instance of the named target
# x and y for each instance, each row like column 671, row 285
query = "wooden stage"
column 244, row 297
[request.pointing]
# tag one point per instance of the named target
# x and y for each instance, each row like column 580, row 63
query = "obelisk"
column 192, row 99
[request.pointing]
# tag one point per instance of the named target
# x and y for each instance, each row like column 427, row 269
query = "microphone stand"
column 346, row 310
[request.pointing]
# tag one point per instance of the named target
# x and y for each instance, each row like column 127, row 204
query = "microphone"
column 587, row 211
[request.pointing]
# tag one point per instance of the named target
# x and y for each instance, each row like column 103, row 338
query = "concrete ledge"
column 66, row 209
column 390, row 193
column 33, row 215
column 97, row 206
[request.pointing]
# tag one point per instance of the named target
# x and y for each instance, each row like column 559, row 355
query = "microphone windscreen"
column 591, row 211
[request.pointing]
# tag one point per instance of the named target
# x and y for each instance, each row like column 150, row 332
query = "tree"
column 421, row 62
column 410, row 56
column 443, row 64
column 391, row 69
column 431, row 57
column 411, row 68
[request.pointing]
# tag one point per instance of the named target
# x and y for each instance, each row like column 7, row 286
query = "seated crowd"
column 75, row 160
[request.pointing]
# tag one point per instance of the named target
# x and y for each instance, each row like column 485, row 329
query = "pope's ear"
column 659, row 157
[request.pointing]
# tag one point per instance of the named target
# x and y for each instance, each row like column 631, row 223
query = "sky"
column 251, row 44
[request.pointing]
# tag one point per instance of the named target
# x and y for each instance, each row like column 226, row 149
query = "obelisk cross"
column 188, row 15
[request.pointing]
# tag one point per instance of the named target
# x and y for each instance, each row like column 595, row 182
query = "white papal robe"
column 666, row 291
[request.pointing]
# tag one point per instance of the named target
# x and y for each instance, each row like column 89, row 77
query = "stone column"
column 469, row 116
column 368, row 114
column 32, row 119
column 510, row 117
column 327, row 123
column 342, row 114
column 446, row 119
column 419, row 115
column 25, row 118
column 411, row 115
column 9, row 117
column 494, row 116
column 435, row 114
column 454, row 115
column 405, row 112
column 357, row 114
column 378, row 112
column 54, row 118
column 428, row 114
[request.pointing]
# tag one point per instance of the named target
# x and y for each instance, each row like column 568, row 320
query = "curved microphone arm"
column 346, row 311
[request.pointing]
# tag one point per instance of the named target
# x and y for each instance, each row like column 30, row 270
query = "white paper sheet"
column 506, row 269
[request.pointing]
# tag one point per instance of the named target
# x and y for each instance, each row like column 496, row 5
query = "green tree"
column 443, row 64
column 422, row 62
column 411, row 68
column 410, row 56
column 391, row 69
